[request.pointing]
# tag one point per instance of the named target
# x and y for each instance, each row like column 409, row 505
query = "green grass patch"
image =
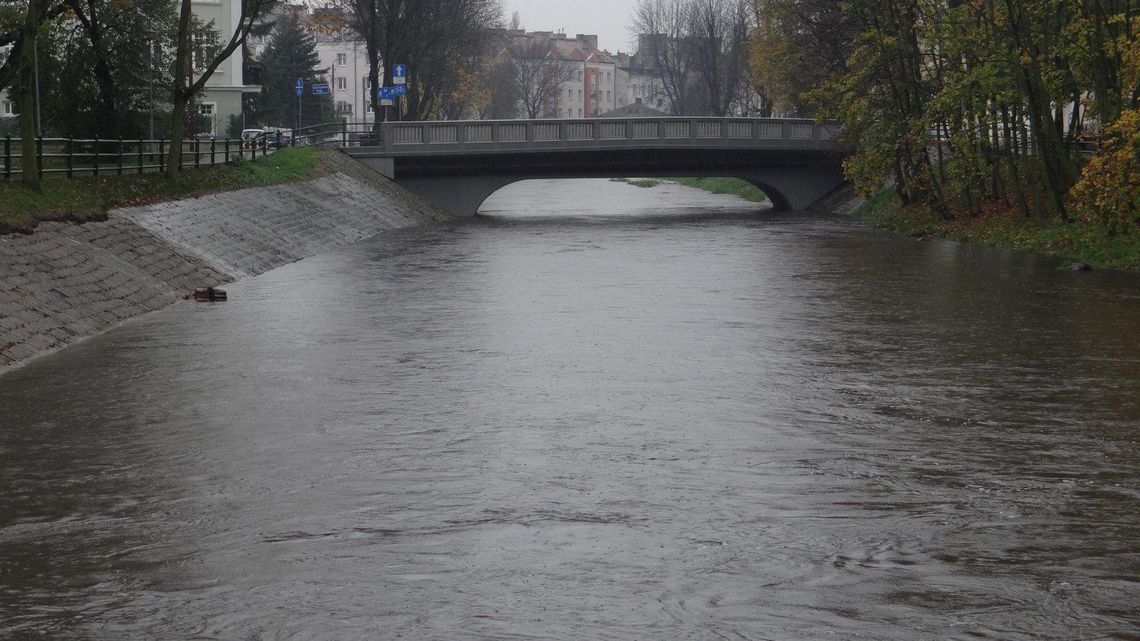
column 644, row 183
column 1080, row 241
column 732, row 186
column 89, row 198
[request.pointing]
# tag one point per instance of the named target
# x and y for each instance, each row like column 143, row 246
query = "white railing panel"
column 738, row 129
column 644, row 130
column 515, row 132
column 443, row 134
column 579, row 131
column 407, row 135
column 480, row 132
column 612, row 130
column 675, row 129
column 545, row 131
column 707, row 129
column 771, row 130
column 800, row 130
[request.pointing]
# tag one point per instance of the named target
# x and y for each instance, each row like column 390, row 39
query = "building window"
column 608, row 95
column 579, row 113
column 579, row 75
column 344, row 107
column 342, row 59
column 203, row 48
column 608, row 77
column 579, row 94
column 569, row 94
column 342, row 83
column 207, row 110
column 9, row 108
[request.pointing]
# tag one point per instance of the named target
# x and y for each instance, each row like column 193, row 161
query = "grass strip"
column 90, row 198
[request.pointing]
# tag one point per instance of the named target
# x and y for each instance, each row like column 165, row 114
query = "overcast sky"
column 609, row 19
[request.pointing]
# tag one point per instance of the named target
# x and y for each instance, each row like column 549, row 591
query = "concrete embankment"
column 66, row 282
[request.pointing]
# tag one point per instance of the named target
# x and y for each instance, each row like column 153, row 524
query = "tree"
column 290, row 54
column 536, row 73
column 183, row 89
column 664, row 25
column 699, row 49
column 438, row 40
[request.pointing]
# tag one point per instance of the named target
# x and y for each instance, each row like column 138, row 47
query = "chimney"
column 585, row 41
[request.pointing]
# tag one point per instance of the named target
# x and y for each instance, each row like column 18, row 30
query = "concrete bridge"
column 458, row 164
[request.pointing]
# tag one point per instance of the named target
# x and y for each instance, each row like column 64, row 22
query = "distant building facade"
column 221, row 98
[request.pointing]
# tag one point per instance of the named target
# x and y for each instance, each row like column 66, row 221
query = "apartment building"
column 590, row 87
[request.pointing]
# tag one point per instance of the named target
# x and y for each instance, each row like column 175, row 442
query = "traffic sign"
column 399, row 74
column 400, row 90
column 387, row 95
column 300, row 87
column 321, row 88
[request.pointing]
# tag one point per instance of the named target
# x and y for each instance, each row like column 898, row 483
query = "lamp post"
column 150, row 81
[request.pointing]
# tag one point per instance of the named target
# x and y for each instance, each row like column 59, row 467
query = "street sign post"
column 300, row 90
column 321, row 89
column 399, row 74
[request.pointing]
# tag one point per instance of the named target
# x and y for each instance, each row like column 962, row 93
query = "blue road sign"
column 400, row 90
column 399, row 74
column 300, row 87
column 321, row 88
column 386, row 94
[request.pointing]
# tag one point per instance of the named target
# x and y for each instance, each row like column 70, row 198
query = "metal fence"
column 95, row 157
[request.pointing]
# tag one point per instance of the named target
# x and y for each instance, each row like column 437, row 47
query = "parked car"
column 253, row 139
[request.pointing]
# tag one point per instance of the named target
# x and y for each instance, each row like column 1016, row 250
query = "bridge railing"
column 399, row 136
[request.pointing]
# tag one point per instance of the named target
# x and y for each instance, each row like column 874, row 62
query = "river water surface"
column 596, row 412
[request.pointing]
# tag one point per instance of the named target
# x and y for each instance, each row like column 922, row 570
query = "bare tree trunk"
column 30, row 161
column 180, row 97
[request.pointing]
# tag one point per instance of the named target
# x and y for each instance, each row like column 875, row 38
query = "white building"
column 222, row 96
column 591, row 88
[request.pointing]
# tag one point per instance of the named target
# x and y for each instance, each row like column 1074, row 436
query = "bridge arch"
column 458, row 165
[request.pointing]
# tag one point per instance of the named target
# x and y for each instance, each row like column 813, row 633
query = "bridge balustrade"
column 408, row 136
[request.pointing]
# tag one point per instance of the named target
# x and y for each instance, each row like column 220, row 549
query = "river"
column 595, row 412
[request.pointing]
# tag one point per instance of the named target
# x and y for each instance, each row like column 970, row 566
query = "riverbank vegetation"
column 89, row 198
column 1014, row 113
column 732, row 186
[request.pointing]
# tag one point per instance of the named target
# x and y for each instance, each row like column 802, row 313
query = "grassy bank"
column 733, row 186
column 1079, row 241
column 89, row 198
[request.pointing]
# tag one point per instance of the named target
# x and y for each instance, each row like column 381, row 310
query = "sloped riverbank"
column 66, row 281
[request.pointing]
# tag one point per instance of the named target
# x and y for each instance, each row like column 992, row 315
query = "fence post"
column 40, row 153
column 213, row 149
column 8, row 157
column 227, row 151
column 96, row 157
column 162, row 156
column 344, row 134
column 120, row 156
column 70, row 157
column 140, row 156
column 197, row 153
